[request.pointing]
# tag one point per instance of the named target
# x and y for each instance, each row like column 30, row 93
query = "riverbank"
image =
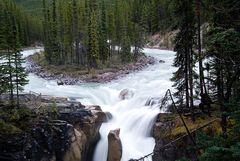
column 71, row 75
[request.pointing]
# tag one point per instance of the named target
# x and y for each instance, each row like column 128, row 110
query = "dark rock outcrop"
column 69, row 138
column 161, row 61
column 114, row 146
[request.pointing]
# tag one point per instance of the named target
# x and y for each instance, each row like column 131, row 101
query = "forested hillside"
column 28, row 27
column 83, row 37
column 88, row 32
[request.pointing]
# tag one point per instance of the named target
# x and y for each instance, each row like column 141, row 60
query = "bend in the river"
column 130, row 115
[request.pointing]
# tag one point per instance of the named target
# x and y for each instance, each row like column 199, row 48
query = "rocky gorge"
column 124, row 103
column 61, row 131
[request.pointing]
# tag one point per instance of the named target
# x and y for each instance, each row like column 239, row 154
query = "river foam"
column 131, row 115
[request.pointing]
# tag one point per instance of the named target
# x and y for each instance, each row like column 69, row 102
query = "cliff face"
column 162, row 40
column 72, row 137
column 165, row 40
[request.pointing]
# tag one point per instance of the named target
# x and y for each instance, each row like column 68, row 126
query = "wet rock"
column 74, row 153
column 161, row 61
column 108, row 116
column 71, row 138
column 126, row 94
column 114, row 146
column 60, row 83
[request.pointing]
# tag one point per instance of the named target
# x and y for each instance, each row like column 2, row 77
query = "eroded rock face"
column 114, row 146
column 87, row 122
column 74, row 153
column 70, row 138
column 126, row 94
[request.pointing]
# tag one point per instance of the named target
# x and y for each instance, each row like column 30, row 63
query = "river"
column 131, row 115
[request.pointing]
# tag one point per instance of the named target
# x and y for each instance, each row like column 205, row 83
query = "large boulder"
column 126, row 94
column 114, row 146
column 74, row 152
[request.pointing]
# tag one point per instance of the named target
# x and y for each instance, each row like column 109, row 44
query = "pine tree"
column 93, row 44
column 103, row 41
column 126, row 55
column 20, row 77
column 184, row 48
column 76, row 31
column 3, row 48
column 111, row 30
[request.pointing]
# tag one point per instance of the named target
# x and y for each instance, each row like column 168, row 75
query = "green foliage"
column 126, row 55
column 15, row 115
column 222, row 46
column 51, row 111
column 93, row 45
column 222, row 147
column 6, row 128
column 13, row 76
column 90, row 32
column 184, row 43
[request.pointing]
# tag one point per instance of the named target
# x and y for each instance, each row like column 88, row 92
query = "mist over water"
column 131, row 115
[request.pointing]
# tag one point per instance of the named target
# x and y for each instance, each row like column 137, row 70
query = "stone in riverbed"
column 114, row 146
column 126, row 94
column 161, row 61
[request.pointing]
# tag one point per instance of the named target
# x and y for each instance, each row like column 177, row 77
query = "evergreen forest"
column 89, row 37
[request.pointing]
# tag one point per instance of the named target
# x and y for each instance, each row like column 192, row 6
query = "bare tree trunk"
column 191, row 83
column 186, row 78
column 10, row 77
column 201, row 74
column 17, row 80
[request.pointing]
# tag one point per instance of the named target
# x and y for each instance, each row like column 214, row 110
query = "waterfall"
column 130, row 115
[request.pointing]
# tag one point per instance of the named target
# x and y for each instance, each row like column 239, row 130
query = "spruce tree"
column 3, row 47
column 103, row 41
column 93, row 44
column 20, row 76
column 111, row 30
column 184, row 41
column 75, row 28
column 126, row 55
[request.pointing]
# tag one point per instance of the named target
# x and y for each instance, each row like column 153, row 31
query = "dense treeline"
column 90, row 32
column 16, row 30
column 221, row 83
column 222, row 50
column 29, row 28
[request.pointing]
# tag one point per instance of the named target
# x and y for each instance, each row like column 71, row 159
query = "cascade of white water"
column 131, row 115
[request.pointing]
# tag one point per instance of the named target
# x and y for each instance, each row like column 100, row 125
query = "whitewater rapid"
column 132, row 116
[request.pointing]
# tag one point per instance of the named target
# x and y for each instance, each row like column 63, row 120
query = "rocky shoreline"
column 73, row 79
